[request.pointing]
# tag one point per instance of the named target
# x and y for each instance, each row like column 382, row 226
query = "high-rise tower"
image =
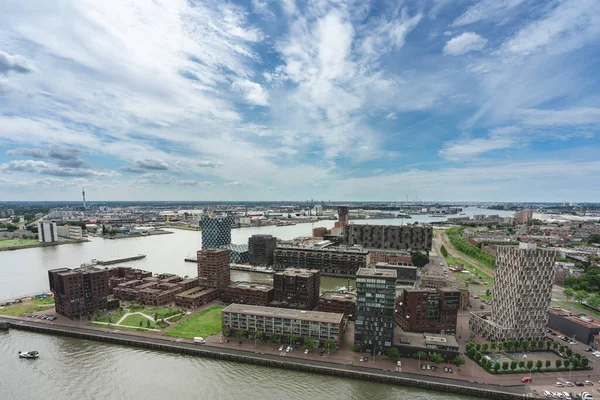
column 83, row 194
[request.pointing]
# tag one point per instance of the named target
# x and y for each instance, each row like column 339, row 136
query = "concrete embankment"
column 319, row 367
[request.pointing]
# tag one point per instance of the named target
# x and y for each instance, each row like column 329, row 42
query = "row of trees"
column 462, row 245
column 308, row 343
column 593, row 300
column 589, row 282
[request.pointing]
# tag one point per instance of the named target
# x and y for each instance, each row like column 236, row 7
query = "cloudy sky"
column 283, row 99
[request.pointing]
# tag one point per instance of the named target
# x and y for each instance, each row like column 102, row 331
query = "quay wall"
column 323, row 368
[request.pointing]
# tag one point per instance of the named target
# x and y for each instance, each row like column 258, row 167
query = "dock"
column 115, row 261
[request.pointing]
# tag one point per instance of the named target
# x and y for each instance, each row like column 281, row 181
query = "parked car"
column 559, row 384
column 589, row 383
column 306, row 351
column 579, row 384
column 569, row 384
column 526, row 379
column 289, row 348
column 281, row 347
column 428, row 366
column 423, row 366
column 450, row 370
column 588, row 349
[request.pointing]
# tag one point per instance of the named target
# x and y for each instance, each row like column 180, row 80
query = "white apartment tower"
column 522, row 294
column 47, row 231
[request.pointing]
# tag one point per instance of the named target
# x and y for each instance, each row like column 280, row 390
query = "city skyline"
column 476, row 100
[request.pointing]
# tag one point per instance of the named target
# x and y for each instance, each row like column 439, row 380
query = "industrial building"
column 522, row 294
column 319, row 326
column 374, row 326
column 428, row 310
column 573, row 325
column 81, row 291
column 342, row 303
column 249, row 293
column 216, row 231
column 296, row 288
column 390, row 237
column 213, row 268
column 261, row 249
column 339, row 261
column 47, row 231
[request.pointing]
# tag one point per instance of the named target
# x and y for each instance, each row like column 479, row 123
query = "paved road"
column 454, row 253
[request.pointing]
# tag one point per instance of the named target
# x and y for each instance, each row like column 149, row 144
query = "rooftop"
column 423, row 340
column 395, row 266
column 253, row 286
column 314, row 316
column 339, row 296
column 578, row 318
column 381, row 273
column 306, row 273
column 341, row 249
column 195, row 292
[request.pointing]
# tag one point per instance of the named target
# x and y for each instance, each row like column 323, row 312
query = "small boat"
column 29, row 354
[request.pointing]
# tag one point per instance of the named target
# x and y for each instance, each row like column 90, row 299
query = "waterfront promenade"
column 247, row 353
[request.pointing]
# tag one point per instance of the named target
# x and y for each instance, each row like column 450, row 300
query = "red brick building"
column 428, row 310
column 249, row 293
column 343, row 303
column 297, row 288
column 196, row 297
column 213, row 268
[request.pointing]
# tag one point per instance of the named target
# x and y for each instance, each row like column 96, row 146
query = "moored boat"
column 29, row 354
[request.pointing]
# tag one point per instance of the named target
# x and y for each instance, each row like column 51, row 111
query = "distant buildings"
column 428, row 310
column 270, row 321
column 261, row 249
column 213, row 268
column 81, row 291
column 47, row 231
column 522, row 294
column 335, row 261
column 390, row 237
column 374, row 326
column 523, row 217
column 296, row 288
column 216, row 231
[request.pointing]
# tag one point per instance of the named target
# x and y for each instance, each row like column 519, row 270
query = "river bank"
column 319, row 367
column 52, row 244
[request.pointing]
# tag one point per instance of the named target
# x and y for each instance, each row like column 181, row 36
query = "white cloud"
column 486, row 10
column 253, row 92
column 16, row 63
column 391, row 116
column 573, row 116
column 208, row 164
column 235, row 183
column 464, row 43
column 45, row 168
column 193, row 182
column 466, row 149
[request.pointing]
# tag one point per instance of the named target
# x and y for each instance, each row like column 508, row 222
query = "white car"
column 570, row 384
column 281, row 347
column 589, row 383
column 559, row 384
column 306, row 351
column 288, row 349
column 547, row 394
column 567, row 395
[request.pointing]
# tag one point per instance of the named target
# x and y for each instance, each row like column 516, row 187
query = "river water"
column 78, row 369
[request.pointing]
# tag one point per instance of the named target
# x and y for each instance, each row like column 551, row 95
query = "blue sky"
column 488, row 100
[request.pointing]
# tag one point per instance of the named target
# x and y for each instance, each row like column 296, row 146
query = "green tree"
column 538, row 365
column 477, row 356
column 393, row 354
column 484, row 347
column 419, row 259
column 569, row 352
column 494, row 346
column 444, row 251
column 584, row 362
column 226, row 332
column 576, row 363
column 275, row 339
column 354, row 348
column 524, row 345
column 567, row 363
column 529, row 364
column 569, row 293
column 500, row 346
column 554, row 345
column 558, row 363
column 259, row 335
column 141, row 322
column 522, row 364
column 581, row 295
column 548, row 364
column 436, row 358
column 294, row 339
column 540, row 344
column 420, row 355
column 16, row 220
column 513, row 365
column 488, row 364
column 594, row 301
column 330, row 345
column 504, row 365
column 478, row 346
column 239, row 334
column 147, row 323
column 496, row 367
column 458, row 361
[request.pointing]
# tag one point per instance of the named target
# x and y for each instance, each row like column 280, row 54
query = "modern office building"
column 319, row 326
column 216, row 231
column 70, row 232
column 47, row 231
column 339, row 261
column 428, row 310
column 261, row 249
column 343, row 217
column 374, row 326
column 213, row 268
column 238, row 253
column 81, row 291
column 390, row 237
column 522, row 294
column 342, row 303
column 249, row 293
column 296, row 288
column 406, row 274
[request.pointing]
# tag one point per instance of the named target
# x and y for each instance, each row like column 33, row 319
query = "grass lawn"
column 203, row 324
column 162, row 313
column 463, row 277
column 134, row 321
column 43, row 301
column 17, row 242
column 17, row 310
column 116, row 316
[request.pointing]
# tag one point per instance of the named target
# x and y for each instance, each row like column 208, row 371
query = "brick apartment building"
column 428, row 310
column 341, row 303
column 196, row 297
column 261, row 249
column 249, row 293
column 339, row 261
column 390, row 237
column 154, row 290
column 213, row 268
column 81, row 291
column 296, row 288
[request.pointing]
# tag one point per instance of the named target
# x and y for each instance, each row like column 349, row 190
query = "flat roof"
column 253, row 286
column 394, row 266
column 377, row 273
column 343, row 250
column 272, row 312
column 350, row 297
column 298, row 272
column 578, row 318
column 195, row 292
column 423, row 339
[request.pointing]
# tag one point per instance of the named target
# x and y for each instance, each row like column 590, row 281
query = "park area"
column 139, row 317
column 6, row 243
column 29, row 306
column 203, row 324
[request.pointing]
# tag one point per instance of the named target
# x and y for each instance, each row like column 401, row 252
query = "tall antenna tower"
column 83, row 194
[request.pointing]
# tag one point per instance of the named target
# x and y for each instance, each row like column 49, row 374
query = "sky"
column 438, row 100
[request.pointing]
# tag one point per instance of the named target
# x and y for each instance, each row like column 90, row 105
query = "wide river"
column 78, row 369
